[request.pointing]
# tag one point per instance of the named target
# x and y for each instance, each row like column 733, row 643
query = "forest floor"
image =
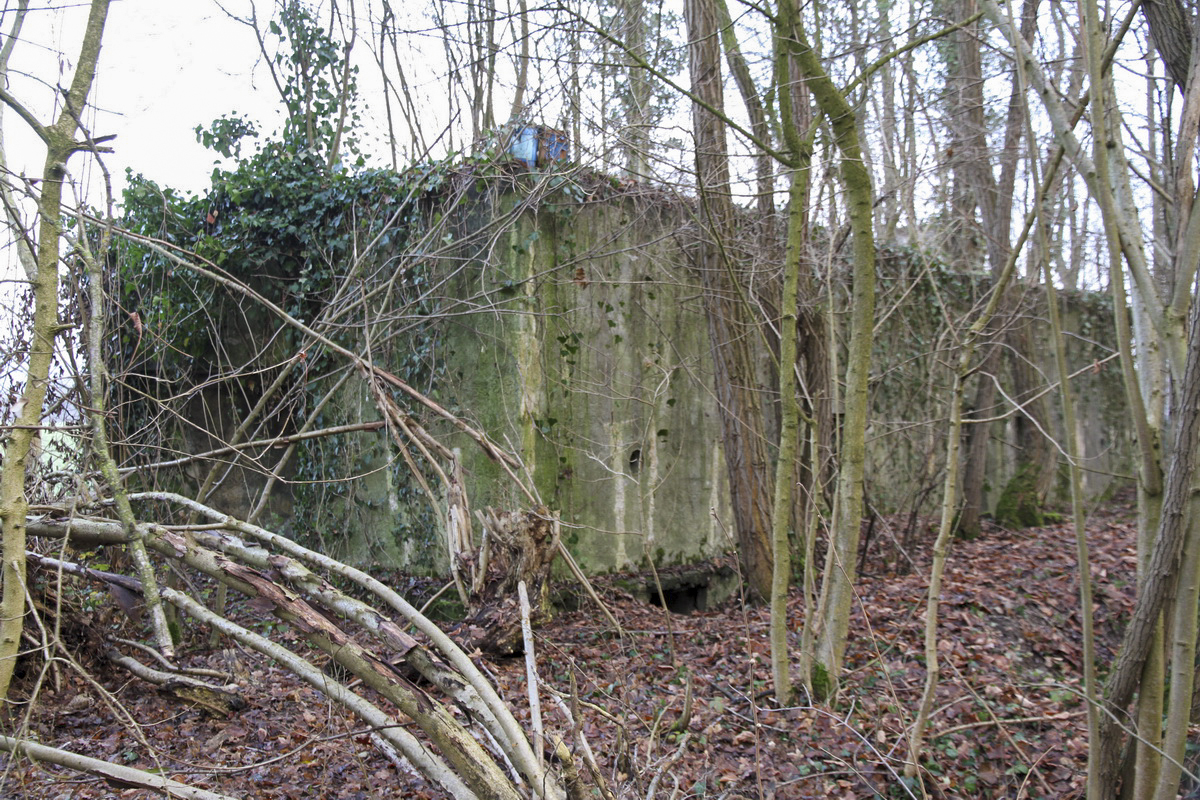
column 1008, row 721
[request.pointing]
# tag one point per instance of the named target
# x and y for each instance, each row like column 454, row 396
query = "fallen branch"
column 195, row 672
column 78, row 570
column 987, row 723
column 221, row 701
column 428, row 763
column 531, row 674
column 115, row 774
column 254, row 573
column 576, row 723
column 666, row 765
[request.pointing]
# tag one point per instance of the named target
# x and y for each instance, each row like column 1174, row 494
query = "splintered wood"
column 516, row 546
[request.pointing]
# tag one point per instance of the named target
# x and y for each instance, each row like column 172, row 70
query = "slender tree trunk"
column 1146, row 391
column 993, row 198
column 787, row 472
column 1083, row 562
column 574, row 83
column 1162, row 569
column 97, row 405
column 843, row 548
column 1183, row 660
column 1108, row 181
column 975, row 467
column 15, row 225
column 518, row 103
column 764, row 169
column 636, row 138
column 729, row 324
column 942, row 544
column 59, row 139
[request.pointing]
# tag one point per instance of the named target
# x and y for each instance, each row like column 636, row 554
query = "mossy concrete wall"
column 588, row 355
column 911, row 369
column 573, row 333
column 360, row 502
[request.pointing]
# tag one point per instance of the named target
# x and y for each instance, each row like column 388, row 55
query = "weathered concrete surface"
column 572, row 332
column 592, row 362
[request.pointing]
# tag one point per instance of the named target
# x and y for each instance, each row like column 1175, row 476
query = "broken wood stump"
column 515, row 546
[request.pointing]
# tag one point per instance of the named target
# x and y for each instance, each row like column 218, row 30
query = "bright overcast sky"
column 166, row 66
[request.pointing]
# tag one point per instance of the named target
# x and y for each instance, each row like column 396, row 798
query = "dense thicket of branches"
column 174, row 377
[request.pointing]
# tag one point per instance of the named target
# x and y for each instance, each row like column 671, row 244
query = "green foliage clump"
column 286, row 221
column 293, row 225
column 318, row 85
column 294, row 231
column 279, row 222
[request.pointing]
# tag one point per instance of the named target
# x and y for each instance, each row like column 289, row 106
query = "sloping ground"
column 1008, row 720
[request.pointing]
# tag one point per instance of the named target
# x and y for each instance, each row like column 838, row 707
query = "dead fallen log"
column 115, row 774
column 269, row 571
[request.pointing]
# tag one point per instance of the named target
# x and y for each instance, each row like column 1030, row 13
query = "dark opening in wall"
column 684, row 588
column 682, row 600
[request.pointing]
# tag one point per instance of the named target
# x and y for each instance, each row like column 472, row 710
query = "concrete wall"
column 911, row 383
column 573, row 332
column 593, row 363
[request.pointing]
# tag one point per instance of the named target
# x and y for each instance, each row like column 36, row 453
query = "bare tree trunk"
column 1147, row 395
column 731, row 330
column 15, row 225
column 764, row 169
column 974, row 189
column 60, row 143
column 636, row 137
column 786, row 465
column 975, row 467
column 1033, row 422
column 1083, row 562
column 1173, row 31
column 1143, row 634
column 1183, row 660
column 842, row 556
column 941, row 545
column 574, row 84
column 518, row 103
column 344, row 90
column 94, row 336
column 1163, row 566
column 993, row 199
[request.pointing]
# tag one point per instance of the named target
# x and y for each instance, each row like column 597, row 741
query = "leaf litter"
column 683, row 705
